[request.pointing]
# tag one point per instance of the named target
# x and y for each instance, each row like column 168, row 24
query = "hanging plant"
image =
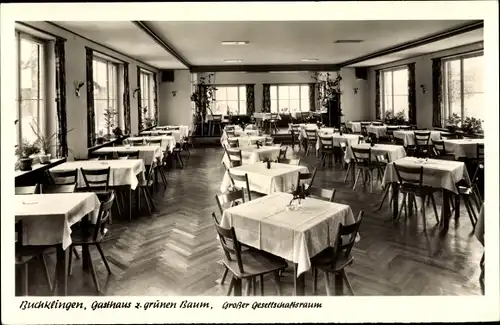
column 327, row 88
column 204, row 96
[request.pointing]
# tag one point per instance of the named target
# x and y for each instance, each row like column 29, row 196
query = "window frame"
column 108, row 97
column 382, row 88
column 445, row 107
column 239, row 100
column 149, row 78
column 41, row 88
column 300, row 97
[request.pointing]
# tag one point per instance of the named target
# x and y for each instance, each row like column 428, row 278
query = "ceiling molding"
column 265, row 68
column 417, row 42
column 144, row 27
column 22, row 23
column 102, row 45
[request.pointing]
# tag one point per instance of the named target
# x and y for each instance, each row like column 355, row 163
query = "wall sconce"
column 136, row 90
column 78, row 85
column 422, row 86
column 174, row 93
column 355, row 90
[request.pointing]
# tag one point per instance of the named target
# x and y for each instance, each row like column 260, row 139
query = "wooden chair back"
column 217, row 118
column 96, row 178
column 282, row 154
column 326, row 142
column 269, row 141
column 480, row 153
column 229, row 242
column 56, row 188
column 306, row 177
column 63, row 177
column 294, row 162
column 362, row 155
column 103, row 215
column 321, row 193
column 410, row 175
column 311, row 135
column 233, row 143
column 439, row 147
column 346, row 237
column 136, row 142
column 230, row 199
column 234, row 156
column 128, row 154
column 240, row 179
column 154, row 142
column 422, row 138
column 448, row 136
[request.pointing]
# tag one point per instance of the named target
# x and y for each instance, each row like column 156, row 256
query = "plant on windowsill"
column 26, row 153
column 389, row 118
column 118, row 135
column 453, row 122
column 109, row 122
column 472, row 125
column 100, row 137
column 45, row 143
column 147, row 122
column 400, row 118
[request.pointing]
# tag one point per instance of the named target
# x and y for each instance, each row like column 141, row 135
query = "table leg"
column 237, row 287
column 62, row 271
column 298, row 281
column 85, row 257
column 445, row 212
column 130, row 202
column 395, row 200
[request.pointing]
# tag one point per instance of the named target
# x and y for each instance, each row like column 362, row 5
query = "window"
column 286, row 99
column 395, row 91
column 463, row 91
column 105, row 95
column 230, row 99
column 30, row 81
column 147, row 105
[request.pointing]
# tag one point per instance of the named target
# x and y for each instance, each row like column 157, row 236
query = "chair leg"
column 94, row 275
column 224, row 275
column 99, row 248
column 46, row 271
column 349, row 287
column 327, row 284
column 70, row 262
column 248, row 287
column 423, row 214
column 356, row 181
column 254, row 286
column 386, row 192
column 470, row 211
column 403, row 205
column 434, row 207
column 347, row 172
column 76, row 253
column 261, row 282
column 231, row 286
column 315, row 281
column 24, row 279
column 278, row 283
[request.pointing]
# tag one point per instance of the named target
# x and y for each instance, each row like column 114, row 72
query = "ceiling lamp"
column 309, row 60
column 234, row 42
column 348, row 41
column 232, row 60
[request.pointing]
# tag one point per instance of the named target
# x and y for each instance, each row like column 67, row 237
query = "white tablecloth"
column 174, row 133
column 146, row 153
column 408, row 137
column 351, row 139
column 252, row 155
column 378, row 130
column 280, row 178
column 437, row 173
column 184, row 129
column 355, row 126
column 246, row 141
column 167, row 141
column 264, row 116
column 122, row 173
column 297, row 235
column 466, row 148
column 47, row 218
column 394, row 152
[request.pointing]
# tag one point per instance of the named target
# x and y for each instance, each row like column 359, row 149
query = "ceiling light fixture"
column 348, row 41
column 235, row 42
column 309, row 60
column 232, row 60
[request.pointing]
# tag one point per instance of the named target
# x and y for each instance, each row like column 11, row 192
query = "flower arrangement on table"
column 372, row 139
column 268, row 161
column 259, row 144
column 299, row 193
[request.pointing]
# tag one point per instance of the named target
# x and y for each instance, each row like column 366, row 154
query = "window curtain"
column 312, row 97
column 62, row 149
column 266, row 98
column 155, row 96
column 90, row 98
column 139, row 104
column 126, row 98
column 436, row 93
column 378, row 114
column 250, row 99
column 412, row 95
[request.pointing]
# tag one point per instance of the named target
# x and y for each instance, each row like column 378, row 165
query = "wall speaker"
column 361, row 73
column 167, row 76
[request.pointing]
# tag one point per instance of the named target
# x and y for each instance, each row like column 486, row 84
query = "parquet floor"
column 175, row 252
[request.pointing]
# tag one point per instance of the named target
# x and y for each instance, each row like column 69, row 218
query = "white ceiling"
column 126, row 38
column 271, row 42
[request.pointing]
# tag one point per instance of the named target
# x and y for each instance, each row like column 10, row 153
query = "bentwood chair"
column 308, row 178
column 247, row 265
column 411, row 186
column 294, row 132
column 321, row 193
column 334, row 260
column 365, row 165
column 311, row 137
column 422, row 146
column 144, row 189
column 327, row 150
column 84, row 237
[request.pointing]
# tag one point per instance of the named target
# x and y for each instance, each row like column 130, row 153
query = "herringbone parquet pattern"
column 175, row 252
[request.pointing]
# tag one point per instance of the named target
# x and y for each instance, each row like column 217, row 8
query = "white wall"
column 76, row 71
column 423, row 76
column 354, row 105
column 176, row 110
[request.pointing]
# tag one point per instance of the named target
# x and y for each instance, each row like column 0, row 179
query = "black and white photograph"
column 249, row 158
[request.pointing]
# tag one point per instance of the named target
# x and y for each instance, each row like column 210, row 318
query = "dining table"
column 278, row 178
column 296, row 235
column 183, row 129
column 148, row 153
column 437, row 173
column 175, row 133
column 247, row 140
column 349, row 139
column 408, row 136
column 167, row 142
column 252, row 155
column 463, row 148
column 46, row 220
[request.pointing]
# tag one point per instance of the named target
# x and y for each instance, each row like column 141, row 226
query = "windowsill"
column 107, row 143
column 38, row 167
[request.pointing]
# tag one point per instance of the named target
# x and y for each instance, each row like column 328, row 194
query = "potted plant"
column 118, row 134
column 400, row 118
column 109, row 121
column 100, row 137
column 203, row 97
column 45, row 143
column 147, row 122
column 328, row 89
column 472, row 125
column 26, row 152
column 453, row 122
column 388, row 118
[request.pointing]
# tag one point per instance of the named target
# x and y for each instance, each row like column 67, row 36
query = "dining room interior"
column 250, row 158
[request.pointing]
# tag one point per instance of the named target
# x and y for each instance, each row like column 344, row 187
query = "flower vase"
column 268, row 165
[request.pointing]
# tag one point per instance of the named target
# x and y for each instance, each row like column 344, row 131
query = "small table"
column 280, row 178
column 408, row 137
column 252, row 155
column 296, row 236
column 394, row 152
column 147, row 153
column 47, row 220
column 246, row 141
column 350, row 139
column 167, row 141
column 463, row 148
column 444, row 174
